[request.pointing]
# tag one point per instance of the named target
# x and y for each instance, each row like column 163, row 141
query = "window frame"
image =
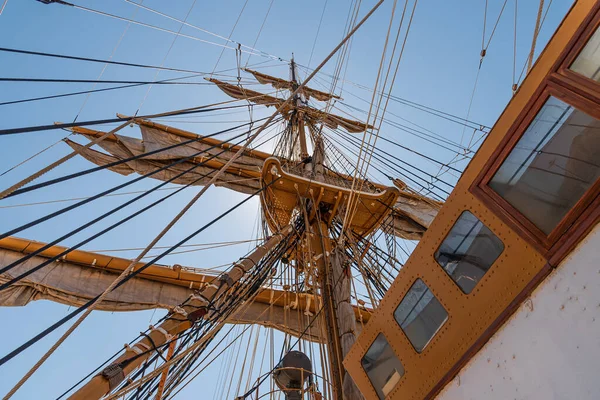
column 397, row 384
column 573, row 80
column 579, row 92
column 431, row 339
column 489, row 268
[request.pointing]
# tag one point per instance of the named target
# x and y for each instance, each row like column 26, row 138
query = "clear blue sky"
column 438, row 69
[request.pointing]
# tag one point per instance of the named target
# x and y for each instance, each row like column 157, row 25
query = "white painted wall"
column 550, row 348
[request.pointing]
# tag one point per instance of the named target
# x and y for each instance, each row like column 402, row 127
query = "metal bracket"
column 226, row 279
column 114, row 375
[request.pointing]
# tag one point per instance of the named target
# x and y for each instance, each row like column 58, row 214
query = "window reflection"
column 552, row 165
column 382, row 366
column 587, row 62
column 420, row 315
column 468, row 251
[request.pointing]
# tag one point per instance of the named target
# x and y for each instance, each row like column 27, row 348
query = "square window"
column 420, row 315
column 552, row 165
column 587, row 62
column 468, row 251
column 382, row 366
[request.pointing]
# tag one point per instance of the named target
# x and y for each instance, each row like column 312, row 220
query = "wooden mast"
column 321, row 247
column 299, row 115
column 334, row 279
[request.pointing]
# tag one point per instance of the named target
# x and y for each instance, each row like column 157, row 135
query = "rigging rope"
column 392, row 82
column 125, row 273
column 514, row 66
column 80, row 228
column 536, row 32
column 232, row 242
column 33, row 156
column 386, row 164
column 54, row 55
column 252, row 48
column 422, row 134
column 163, row 82
column 259, row 32
column 85, row 101
column 231, row 33
column 56, row 96
column 56, row 163
column 193, row 110
column 177, row 34
column 77, row 198
column 133, row 274
column 541, row 25
column 407, row 102
column 166, row 56
column 358, row 169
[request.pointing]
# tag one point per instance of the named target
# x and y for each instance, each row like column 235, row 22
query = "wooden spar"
column 184, row 277
column 279, row 83
column 116, row 372
column 214, row 163
column 165, row 373
column 189, row 135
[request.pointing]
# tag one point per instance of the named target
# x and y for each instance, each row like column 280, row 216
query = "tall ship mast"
column 354, row 286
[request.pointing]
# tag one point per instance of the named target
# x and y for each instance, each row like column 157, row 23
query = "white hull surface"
column 549, row 349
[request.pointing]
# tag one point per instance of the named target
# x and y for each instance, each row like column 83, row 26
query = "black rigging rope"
column 37, row 128
column 56, row 80
column 75, row 312
column 393, row 167
column 129, row 84
column 269, row 260
column 354, row 140
column 313, row 319
column 92, row 198
column 123, row 161
column 64, row 56
column 95, row 220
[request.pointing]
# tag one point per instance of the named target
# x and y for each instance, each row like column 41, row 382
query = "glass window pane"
column 587, row 62
column 468, row 251
column 553, row 164
column 382, row 366
column 420, row 315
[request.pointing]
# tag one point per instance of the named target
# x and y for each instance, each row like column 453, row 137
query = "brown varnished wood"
column 571, row 88
column 583, row 85
column 576, row 233
column 514, row 218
